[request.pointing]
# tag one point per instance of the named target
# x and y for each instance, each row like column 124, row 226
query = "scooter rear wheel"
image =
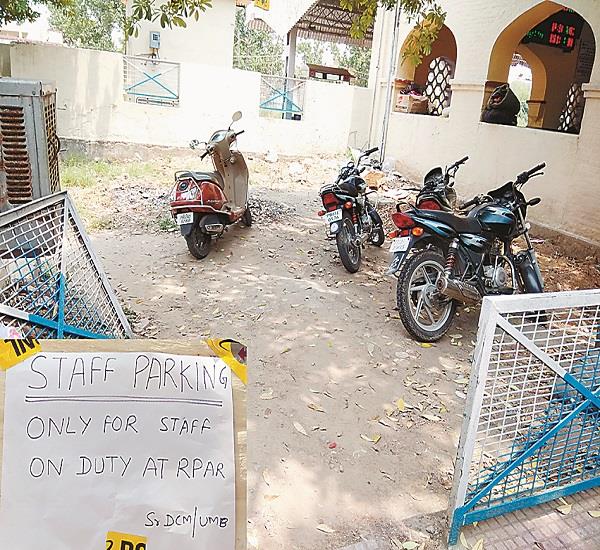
column 247, row 217
column 198, row 243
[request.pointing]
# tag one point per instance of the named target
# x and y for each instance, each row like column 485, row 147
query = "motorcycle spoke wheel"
column 429, row 309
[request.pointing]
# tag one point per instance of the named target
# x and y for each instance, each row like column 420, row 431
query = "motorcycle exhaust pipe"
column 458, row 290
column 214, row 228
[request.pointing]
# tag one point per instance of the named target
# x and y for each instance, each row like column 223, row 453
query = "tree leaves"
column 90, row 23
column 169, row 14
column 427, row 15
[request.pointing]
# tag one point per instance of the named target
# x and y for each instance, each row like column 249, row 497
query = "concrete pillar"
column 290, row 60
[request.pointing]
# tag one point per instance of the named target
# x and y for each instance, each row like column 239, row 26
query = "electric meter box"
column 154, row 40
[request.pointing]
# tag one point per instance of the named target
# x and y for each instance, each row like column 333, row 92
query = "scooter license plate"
column 399, row 244
column 334, row 216
column 184, row 219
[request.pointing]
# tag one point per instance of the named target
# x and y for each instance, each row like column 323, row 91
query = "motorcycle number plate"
column 334, row 216
column 184, row 219
column 399, row 245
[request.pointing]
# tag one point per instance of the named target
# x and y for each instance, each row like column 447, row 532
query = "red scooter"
column 204, row 204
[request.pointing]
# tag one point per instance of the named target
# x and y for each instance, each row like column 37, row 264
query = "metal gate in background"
column 51, row 283
column 28, row 140
column 151, row 81
column 282, row 95
column 532, row 426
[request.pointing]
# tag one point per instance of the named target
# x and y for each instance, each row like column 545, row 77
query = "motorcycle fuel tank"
column 496, row 219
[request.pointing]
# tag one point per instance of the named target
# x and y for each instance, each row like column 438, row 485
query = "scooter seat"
column 214, row 177
column 460, row 224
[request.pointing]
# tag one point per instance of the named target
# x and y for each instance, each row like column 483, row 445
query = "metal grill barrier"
column 532, row 426
column 51, row 283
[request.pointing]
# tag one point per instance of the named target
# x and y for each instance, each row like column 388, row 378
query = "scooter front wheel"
column 198, row 243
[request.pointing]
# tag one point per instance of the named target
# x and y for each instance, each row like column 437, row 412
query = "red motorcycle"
column 204, row 204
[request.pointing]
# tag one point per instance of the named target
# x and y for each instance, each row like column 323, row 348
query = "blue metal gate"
column 51, row 283
column 532, row 426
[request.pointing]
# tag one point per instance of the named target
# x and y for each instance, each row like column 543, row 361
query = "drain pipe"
column 391, row 73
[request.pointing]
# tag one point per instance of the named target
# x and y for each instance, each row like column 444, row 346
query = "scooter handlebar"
column 239, row 133
column 535, row 169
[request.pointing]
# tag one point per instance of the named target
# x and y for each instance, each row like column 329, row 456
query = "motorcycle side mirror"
column 194, row 143
column 236, row 116
column 534, row 201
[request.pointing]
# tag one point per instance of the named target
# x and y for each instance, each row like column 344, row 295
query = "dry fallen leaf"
column 271, row 497
column 267, row 477
column 564, row 509
column 267, row 394
column 594, row 513
column 410, row 545
column 478, row 545
column 431, row 417
column 315, row 407
column 325, row 528
column 400, row 404
column 300, row 428
column 374, row 439
column 463, row 541
column 425, row 345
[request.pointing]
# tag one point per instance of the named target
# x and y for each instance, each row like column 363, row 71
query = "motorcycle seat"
column 213, row 177
column 460, row 224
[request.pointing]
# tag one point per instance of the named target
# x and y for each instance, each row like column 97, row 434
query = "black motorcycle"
column 441, row 258
column 438, row 191
column 351, row 219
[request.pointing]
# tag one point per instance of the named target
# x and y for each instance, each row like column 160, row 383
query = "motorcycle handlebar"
column 239, row 133
column 535, row 169
column 470, row 203
column 370, row 151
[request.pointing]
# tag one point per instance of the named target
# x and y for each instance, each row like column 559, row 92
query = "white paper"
column 168, row 422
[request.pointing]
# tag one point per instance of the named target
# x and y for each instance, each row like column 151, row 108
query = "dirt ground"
column 352, row 425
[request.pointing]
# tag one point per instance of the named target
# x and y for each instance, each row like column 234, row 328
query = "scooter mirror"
column 236, row 116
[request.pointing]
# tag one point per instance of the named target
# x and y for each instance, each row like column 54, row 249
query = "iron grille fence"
column 151, row 81
column 283, row 95
column 51, row 283
column 531, row 431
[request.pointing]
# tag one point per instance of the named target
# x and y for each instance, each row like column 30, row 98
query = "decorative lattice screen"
column 572, row 114
column 437, row 88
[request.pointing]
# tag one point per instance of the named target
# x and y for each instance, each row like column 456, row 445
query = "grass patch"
column 80, row 171
column 166, row 223
column 77, row 170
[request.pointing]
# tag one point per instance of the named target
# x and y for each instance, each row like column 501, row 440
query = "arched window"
column 558, row 46
column 425, row 88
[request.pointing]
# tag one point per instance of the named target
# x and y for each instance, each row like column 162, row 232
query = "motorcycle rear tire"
column 403, row 298
column 198, row 243
column 350, row 254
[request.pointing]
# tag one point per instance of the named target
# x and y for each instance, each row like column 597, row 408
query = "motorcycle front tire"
column 198, row 243
column 350, row 253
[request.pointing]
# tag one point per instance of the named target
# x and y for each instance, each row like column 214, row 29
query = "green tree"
column 256, row 50
column 170, row 13
column 311, row 51
column 19, row 11
column 90, row 23
column 427, row 16
column 354, row 58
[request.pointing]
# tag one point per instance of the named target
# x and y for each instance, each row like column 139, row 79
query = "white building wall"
column 91, row 105
column 208, row 41
column 569, row 189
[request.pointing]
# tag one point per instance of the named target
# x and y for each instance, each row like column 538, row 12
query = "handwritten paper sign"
column 127, row 451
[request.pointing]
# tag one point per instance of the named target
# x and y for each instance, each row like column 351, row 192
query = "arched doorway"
column 430, row 79
column 559, row 47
